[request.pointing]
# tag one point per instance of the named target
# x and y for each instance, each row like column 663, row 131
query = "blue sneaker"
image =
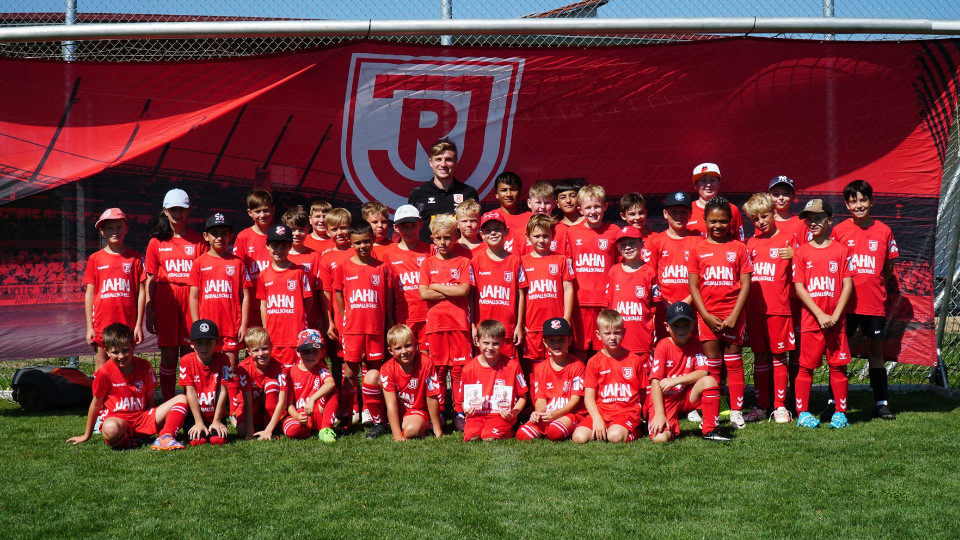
column 839, row 420
column 807, row 420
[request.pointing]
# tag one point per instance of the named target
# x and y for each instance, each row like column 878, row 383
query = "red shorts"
column 488, row 426
column 733, row 336
column 359, row 347
column 832, row 342
column 675, row 405
column 627, row 419
column 533, row 346
column 419, row 329
column 405, row 412
column 585, row 328
column 286, row 356
column 140, row 424
column 449, row 348
column 171, row 308
column 229, row 344
column 770, row 333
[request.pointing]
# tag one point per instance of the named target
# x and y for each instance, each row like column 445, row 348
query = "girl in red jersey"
column 719, row 272
column 170, row 256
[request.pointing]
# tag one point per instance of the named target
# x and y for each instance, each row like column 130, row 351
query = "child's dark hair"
column 630, row 200
column 717, row 203
column 857, row 186
column 360, row 226
column 160, row 227
column 258, row 198
column 117, row 336
column 508, row 178
column 296, row 217
column 571, row 184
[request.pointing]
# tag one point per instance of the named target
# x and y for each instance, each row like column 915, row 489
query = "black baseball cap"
column 677, row 198
column 279, row 233
column 218, row 220
column 782, row 179
column 204, row 329
column 680, row 310
column 556, row 327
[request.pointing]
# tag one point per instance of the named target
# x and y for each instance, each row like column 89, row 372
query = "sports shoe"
column 694, row 417
column 883, row 411
column 459, row 422
column 366, row 418
column 96, row 427
column 828, row 411
column 167, row 442
column 356, row 418
column 839, row 420
column 715, row 436
column 378, row 430
column 807, row 420
column 755, row 414
column 327, row 435
column 736, row 420
column 781, row 415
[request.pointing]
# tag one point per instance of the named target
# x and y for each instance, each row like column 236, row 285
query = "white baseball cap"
column 176, row 198
column 705, row 169
column 407, row 213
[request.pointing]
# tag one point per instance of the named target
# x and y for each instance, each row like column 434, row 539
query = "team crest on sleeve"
column 627, row 373
column 774, row 253
column 731, row 256
column 602, row 243
column 375, row 280
column 188, row 250
column 393, row 103
column 873, row 245
column 554, row 269
column 508, row 277
column 127, row 268
column 291, row 284
column 641, row 291
column 834, row 267
column 231, row 270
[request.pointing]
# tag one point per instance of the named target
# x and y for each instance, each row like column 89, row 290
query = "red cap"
column 111, row 213
column 628, row 232
column 493, row 215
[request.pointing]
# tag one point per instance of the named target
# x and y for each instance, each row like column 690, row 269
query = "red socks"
column 174, row 420
column 168, row 381
column 556, row 431
column 839, row 384
column 761, row 382
column 781, row 377
column 710, row 404
column 527, row 433
column 801, row 389
column 456, row 375
column 735, row 380
column 373, row 402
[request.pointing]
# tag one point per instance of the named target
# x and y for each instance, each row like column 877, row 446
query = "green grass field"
column 874, row 480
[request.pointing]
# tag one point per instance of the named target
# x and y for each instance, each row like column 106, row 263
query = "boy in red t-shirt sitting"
column 204, row 374
column 123, row 391
column 265, row 400
column 411, row 389
column 823, row 276
column 614, row 385
column 557, row 387
column 494, row 390
column 679, row 381
column 311, row 393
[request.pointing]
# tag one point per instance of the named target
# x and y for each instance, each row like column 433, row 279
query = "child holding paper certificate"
column 494, row 390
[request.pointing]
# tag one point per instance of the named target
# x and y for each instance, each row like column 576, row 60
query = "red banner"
column 355, row 121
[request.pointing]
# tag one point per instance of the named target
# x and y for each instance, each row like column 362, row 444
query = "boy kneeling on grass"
column 123, row 393
column 411, row 389
column 680, row 382
column 204, row 375
column 312, row 397
column 494, row 390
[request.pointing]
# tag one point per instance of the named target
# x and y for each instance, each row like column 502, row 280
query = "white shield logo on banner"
column 397, row 107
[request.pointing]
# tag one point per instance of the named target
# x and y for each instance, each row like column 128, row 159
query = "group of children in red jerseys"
column 498, row 299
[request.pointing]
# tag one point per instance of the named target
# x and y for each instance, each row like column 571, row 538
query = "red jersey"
column 558, row 244
column 870, row 248
column 719, row 267
column 206, row 379
column 171, row 260
column 116, row 281
column 821, row 270
column 284, row 292
column 669, row 257
column 412, row 388
column 450, row 313
column 330, row 261
column 405, row 265
column 365, row 289
column 309, row 260
column 220, row 281
column 797, row 226
column 620, row 382
column 632, row 294
column 251, row 247
column 461, row 250
column 593, row 251
column 270, row 381
column 303, row 383
column 698, row 224
column 320, row 246
column 517, row 233
column 120, row 392
column 671, row 360
column 545, row 277
column 498, row 284
column 772, row 278
column 558, row 387
column 380, row 248
column 500, row 386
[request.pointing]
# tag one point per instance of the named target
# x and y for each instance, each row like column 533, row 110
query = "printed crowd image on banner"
column 354, row 123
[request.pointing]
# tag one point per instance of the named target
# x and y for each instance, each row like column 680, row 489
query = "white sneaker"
column 356, row 419
column 366, row 418
column 781, row 415
column 736, row 420
column 694, row 417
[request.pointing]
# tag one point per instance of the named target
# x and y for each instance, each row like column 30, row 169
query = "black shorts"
column 872, row 325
